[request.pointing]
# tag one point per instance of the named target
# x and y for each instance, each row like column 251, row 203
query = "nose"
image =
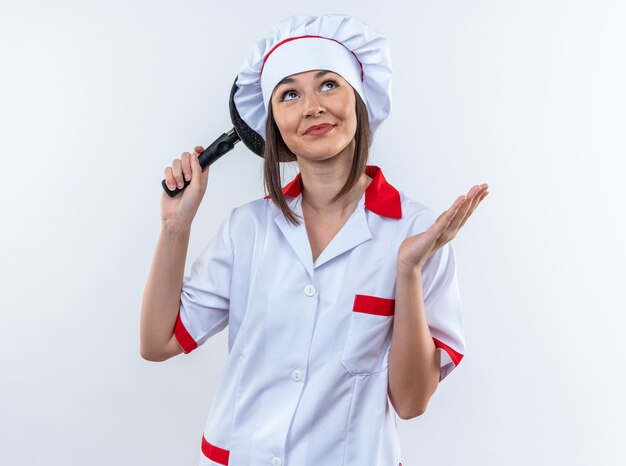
column 312, row 107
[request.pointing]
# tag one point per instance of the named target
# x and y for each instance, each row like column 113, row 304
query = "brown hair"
column 276, row 151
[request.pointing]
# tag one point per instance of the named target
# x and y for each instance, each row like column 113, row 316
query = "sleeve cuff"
column 185, row 340
column 449, row 358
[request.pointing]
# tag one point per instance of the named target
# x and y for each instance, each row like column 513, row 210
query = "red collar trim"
column 380, row 196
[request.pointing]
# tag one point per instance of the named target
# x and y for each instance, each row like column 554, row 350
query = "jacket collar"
column 380, row 196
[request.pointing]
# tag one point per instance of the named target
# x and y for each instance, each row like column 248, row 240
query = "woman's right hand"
column 180, row 210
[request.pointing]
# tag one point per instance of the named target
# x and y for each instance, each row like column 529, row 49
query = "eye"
column 285, row 94
column 331, row 81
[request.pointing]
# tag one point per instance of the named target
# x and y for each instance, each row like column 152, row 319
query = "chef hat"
column 337, row 43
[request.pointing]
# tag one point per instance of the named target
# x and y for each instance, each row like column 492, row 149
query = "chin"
column 321, row 151
column 320, row 154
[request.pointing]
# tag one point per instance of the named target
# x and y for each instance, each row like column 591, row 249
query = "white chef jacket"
column 306, row 383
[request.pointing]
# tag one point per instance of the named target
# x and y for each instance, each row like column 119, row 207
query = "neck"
column 322, row 182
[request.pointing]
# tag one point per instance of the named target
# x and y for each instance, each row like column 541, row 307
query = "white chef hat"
column 337, row 43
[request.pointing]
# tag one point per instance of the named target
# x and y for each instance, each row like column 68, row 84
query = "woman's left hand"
column 415, row 250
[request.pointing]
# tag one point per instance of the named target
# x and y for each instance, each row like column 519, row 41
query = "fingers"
column 169, row 178
column 465, row 209
column 480, row 195
column 449, row 214
column 199, row 177
column 478, row 198
column 173, row 175
column 474, row 196
column 185, row 167
column 441, row 224
column 188, row 169
column 177, row 169
column 449, row 222
column 181, row 169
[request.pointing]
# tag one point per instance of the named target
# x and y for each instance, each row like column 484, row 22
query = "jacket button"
column 309, row 290
column 296, row 375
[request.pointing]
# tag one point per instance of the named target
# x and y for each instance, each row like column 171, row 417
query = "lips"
column 319, row 129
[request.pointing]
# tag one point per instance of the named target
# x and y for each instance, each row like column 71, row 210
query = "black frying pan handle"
column 220, row 146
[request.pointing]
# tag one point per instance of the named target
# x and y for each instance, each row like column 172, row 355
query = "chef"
column 339, row 291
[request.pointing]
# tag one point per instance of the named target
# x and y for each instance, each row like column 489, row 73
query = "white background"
column 97, row 98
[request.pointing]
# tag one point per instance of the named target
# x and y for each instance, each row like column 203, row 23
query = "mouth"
column 318, row 130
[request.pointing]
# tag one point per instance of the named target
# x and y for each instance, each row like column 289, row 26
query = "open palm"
column 415, row 250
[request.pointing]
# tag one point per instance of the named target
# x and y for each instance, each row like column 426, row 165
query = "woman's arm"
column 414, row 365
column 413, row 358
column 161, row 298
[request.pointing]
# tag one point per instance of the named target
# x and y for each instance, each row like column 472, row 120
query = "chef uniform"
column 306, row 381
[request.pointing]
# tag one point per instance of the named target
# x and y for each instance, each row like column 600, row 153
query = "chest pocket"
column 369, row 336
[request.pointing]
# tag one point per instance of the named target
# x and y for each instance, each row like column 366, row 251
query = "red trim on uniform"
column 293, row 188
column 456, row 357
column 309, row 37
column 186, row 341
column 380, row 196
column 215, row 454
column 374, row 305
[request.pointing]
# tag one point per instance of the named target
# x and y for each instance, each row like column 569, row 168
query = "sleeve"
column 205, row 294
column 444, row 312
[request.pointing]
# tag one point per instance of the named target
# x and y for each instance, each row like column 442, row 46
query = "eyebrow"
column 291, row 80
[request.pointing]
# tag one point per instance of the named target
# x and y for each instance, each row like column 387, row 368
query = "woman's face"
column 313, row 98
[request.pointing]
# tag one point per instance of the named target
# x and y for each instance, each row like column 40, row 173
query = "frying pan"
column 225, row 143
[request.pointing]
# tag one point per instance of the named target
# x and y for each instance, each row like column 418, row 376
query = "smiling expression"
column 312, row 98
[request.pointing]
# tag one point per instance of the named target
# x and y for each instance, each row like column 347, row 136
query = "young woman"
column 339, row 291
